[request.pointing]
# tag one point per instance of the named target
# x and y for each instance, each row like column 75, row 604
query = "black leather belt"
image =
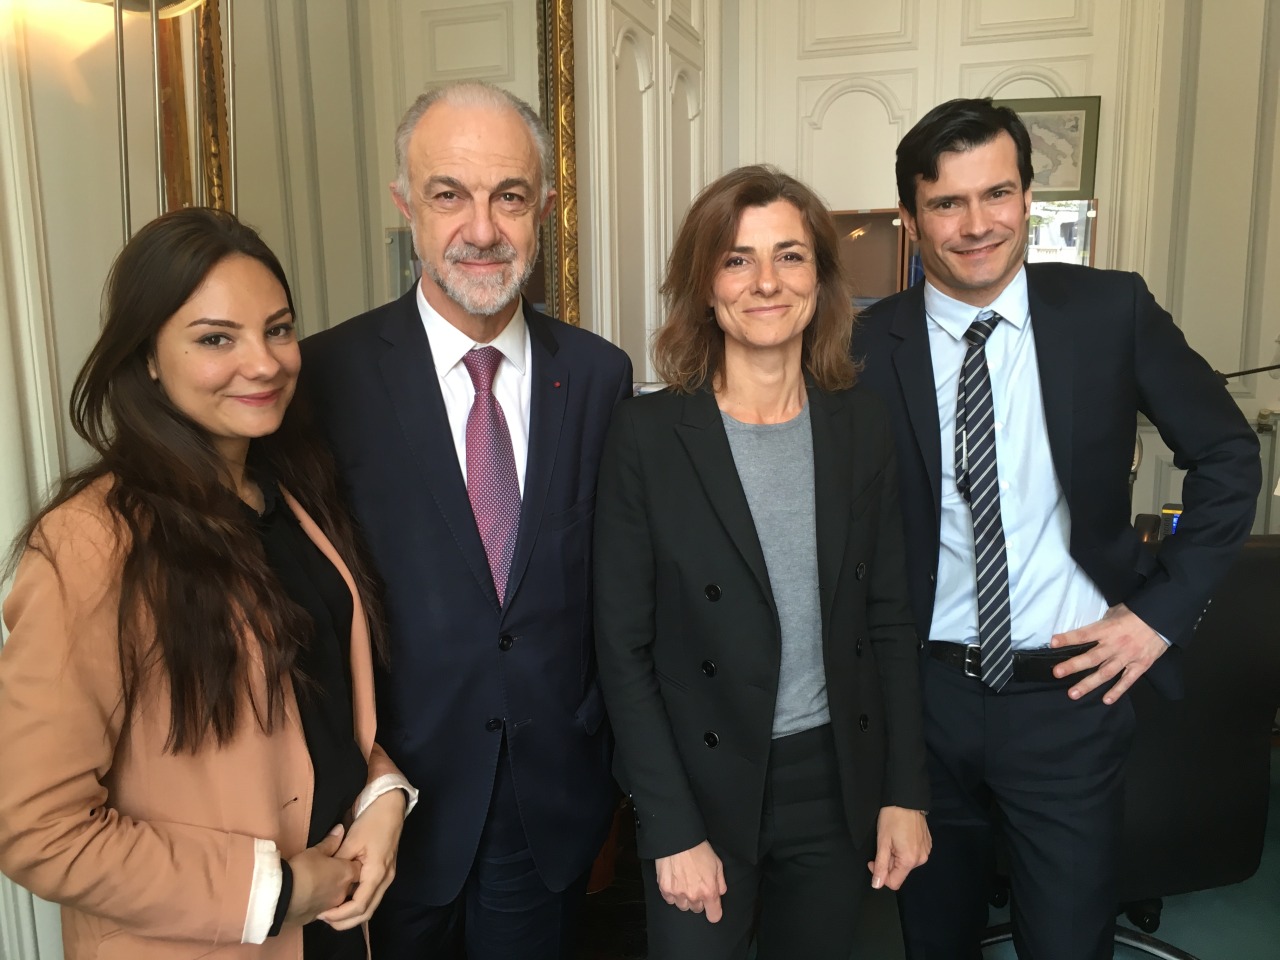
column 1033, row 665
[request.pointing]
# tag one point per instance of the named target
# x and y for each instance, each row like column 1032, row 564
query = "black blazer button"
column 709, row 667
column 857, row 648
column 860, row 570
column 864, row 722
column 712, row 592
column 493, row 725
column 505, row 641
column 710, row 738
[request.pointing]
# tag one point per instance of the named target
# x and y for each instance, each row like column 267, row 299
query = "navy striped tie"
column 979, row 483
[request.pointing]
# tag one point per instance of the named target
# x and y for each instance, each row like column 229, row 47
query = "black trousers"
column 1045, row 774
column 805, row 886
column 505, row 911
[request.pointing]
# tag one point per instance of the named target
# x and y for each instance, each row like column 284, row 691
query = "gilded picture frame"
column 560, row 236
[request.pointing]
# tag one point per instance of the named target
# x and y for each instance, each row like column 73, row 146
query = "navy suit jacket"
column 462, row 668
column 1106, row 351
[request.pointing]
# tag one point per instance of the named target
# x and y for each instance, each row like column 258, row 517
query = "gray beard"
column 481, row 296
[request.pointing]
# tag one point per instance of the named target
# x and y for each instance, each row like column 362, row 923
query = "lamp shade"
column 167, row 8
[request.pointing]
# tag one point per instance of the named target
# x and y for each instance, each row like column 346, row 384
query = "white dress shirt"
column 511, row 384
column 1048, row 591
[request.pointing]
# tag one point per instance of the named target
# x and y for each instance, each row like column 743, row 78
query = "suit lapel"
column 834, row 441
column 408, row 373
column 704, row 439
column 548, row 394
column 914, row 366
column 1055, row 359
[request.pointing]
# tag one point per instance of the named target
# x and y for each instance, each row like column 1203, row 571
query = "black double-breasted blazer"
column 1106, row 352
column 687, row 631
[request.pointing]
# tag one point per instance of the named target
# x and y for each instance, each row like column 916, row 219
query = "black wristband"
column 286, row 894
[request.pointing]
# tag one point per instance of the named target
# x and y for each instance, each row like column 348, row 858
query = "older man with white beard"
column 475, row 490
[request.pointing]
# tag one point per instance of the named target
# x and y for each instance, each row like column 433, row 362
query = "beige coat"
column 151, row 854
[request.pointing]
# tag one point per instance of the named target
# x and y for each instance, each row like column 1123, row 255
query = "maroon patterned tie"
column 492, row 483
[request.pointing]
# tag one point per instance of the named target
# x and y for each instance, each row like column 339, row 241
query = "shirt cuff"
column 385, row 784
column 264, row 892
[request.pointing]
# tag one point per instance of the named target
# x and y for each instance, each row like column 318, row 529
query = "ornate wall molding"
column 977, row 28
column 1056, row 82
column 833, row 88
column 494, row 21
column 1061, row 76
column 685, row 17
column 630, row 34
column 814, row 44
column 692, row 78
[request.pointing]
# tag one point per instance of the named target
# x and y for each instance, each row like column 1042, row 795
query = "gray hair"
column 473, row 93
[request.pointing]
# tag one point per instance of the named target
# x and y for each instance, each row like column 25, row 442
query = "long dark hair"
column 688, row 349
column 195, row 585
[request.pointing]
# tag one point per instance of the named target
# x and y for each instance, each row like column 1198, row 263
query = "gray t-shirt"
column 775, row 464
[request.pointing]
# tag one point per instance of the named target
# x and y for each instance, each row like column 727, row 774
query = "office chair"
column 1198, row 780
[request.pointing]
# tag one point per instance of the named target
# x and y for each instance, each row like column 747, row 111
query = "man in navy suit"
column 1014, row 391
column 468, row 428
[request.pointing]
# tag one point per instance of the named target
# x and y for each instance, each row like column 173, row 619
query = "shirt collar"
column 449, row 344
column 955, row 317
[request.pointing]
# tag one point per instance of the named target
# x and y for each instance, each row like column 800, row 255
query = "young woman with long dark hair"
column 186, row 694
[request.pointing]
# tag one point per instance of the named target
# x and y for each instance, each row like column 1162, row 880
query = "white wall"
column 648, row 95
column 417, row 44
column 305, row 151
column 827, row 88
column 1213, row 248
column 1187, row 162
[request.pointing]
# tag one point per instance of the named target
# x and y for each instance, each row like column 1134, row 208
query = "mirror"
column 312, row 103
column 525, row 46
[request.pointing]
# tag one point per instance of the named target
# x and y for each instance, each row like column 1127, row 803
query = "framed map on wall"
column 1064, row 144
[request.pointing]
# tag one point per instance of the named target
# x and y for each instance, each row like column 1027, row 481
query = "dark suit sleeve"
column 647, row 764
column 627, row 386
column 890, row 627
column 1213, row 442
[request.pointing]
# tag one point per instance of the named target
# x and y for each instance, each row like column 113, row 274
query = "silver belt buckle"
column 973, row 661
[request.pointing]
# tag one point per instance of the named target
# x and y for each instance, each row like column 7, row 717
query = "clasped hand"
column 364, row 858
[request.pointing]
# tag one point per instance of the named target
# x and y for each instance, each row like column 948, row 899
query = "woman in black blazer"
column 756, row 649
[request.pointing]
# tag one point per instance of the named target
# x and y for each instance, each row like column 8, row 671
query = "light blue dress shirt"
column 1048, row 591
